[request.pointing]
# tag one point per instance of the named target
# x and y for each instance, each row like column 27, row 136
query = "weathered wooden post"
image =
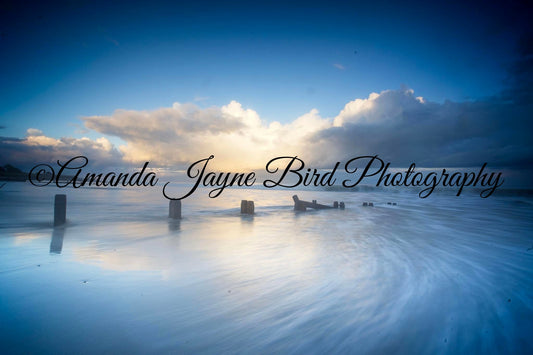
column 371, row 204
column 174, row 209
column 247, row 207
column 341, row 205
column 298, row 206
column 60, row 209
column 250, row 208
column 336, row 204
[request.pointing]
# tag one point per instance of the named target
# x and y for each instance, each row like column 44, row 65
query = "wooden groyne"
column 174, row 207
column 300, row 205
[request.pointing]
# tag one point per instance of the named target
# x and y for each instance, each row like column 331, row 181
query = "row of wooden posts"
column 174, row 208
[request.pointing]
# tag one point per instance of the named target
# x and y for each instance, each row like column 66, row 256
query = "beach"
column 438, row 275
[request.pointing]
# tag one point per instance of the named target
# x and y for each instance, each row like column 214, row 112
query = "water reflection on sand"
column 426, row 276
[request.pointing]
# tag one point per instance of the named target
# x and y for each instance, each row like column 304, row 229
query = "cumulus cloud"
column 404, row 128
column 398, row 125
column 184, row 132
column 34, row 132
column 38, row 148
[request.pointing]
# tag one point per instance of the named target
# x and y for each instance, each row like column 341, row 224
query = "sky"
column 439, row 84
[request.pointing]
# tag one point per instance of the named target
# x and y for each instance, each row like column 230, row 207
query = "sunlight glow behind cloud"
column 395, row 124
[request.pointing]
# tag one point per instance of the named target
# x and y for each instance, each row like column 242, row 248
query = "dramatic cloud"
column 184, row 133
column 403, row 128
column 37, row 148
column 395, row 124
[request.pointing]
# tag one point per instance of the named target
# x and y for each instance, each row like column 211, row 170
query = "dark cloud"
column 494, row 130
column 402, row 128
column 520, row 78
column 10, row 139
column 27, row 152
column 396, row 125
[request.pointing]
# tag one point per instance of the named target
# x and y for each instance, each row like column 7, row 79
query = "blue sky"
column 65, row 61
column 69, row 60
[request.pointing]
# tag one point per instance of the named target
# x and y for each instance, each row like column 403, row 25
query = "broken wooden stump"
column 247, row 207
column 300, row 205
column 174, row 209
column 60, row 210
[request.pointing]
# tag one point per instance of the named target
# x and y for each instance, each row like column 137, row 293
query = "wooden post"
column 60, row 209
column 341, row 205
column 298, row 206
column 250, row 208
column 174, row 209
column 247, row 207
column 336, row 204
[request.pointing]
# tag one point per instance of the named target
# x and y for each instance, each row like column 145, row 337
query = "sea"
column 440, row 275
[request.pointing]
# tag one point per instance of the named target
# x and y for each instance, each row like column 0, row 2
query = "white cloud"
column 39, row 148
column 184, row 133
column 34, row 132
column 378, row 108
column 396, row 124
column 339, row 66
